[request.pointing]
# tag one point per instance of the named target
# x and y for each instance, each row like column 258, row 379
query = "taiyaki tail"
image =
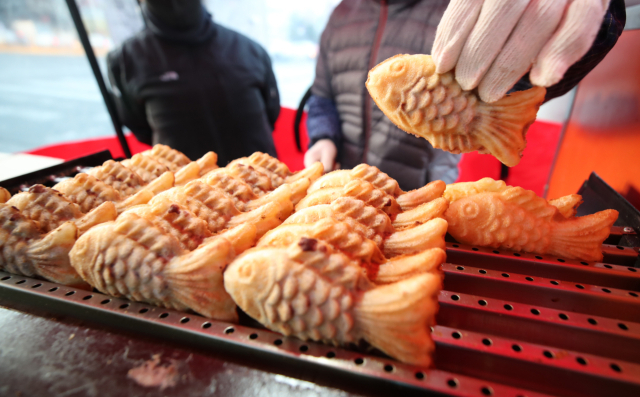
column 404, row 267
column 207, row 163
column 502, row 125
column 241, row 237
column 421, row 214
column 264, row 218
column 187, row 173
column 568, row 205
column 4, row 195
column 50, row 256
column 142, row 197
column 414, row 198
column 581, row 238
column 161, row 183
column 419, row 238
column 280, row 194
column 396, row 318
column 105, row 212
column 312, row 173
column 196, row 280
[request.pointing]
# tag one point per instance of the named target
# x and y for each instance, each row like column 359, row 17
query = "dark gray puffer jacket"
column 359, row 35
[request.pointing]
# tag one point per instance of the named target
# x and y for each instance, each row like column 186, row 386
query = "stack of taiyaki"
column 172, row 251
column 433, row 106
column 338, row 271
column 491, row 214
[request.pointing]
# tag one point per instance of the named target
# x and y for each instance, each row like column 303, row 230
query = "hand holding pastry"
column 493, row 43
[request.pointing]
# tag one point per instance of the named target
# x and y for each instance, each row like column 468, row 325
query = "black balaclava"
column 181, row 21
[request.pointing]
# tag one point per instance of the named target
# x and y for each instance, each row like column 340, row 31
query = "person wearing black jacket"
column 189, row 83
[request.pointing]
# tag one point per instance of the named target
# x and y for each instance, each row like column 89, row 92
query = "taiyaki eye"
column 246, row 271
column 471, row 210
column 397, row 67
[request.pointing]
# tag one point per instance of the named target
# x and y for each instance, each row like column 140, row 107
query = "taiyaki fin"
column 239, row 190
column 457, row 191
column 270, row 163
column 411, row 241
column 50, row 256
column 241, row 237
column 161, row 183
column 530, row 202
column 105, row 212
column 502, row 125
column 264, row 218
column 313, row 172
column 4, row 195
column 187, row 173
column 281, row 194
column 421, row 214
column 196, row 280
column 207, row 163
column 371, row 195
column 568, row 205
column 428, row 192
column 142, row 197
column 403, row 267
column 396, row 318
column 331, row 179
column 582, row 237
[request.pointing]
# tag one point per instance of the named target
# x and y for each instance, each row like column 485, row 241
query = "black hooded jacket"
column 196, row 90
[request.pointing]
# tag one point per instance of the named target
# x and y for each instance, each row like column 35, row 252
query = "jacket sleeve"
column 323, row 120
column 611, row 28
column 443, row 166
column 270, row 93
column 132, row 113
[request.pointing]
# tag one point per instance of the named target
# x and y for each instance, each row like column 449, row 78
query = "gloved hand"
column 324, row 151
column 493, row 43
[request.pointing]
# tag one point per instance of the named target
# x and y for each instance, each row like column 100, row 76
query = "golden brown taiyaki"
column 25, row 250
column 433, row 106
column 173, row 159
column 49, row 209
column 119, row 177
column 518, row 220
column 137, row 259
column 311, row 291
column 356, row 188
column 147, row 167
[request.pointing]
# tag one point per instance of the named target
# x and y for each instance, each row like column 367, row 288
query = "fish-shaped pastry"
column 26, row 250
column 49, row 209
column 119, row 177
column 173, row 159
column 350, row 236
column 519, row 220
column 382, row 181
column 313, row 292
column 433, row 106
column 135, row 258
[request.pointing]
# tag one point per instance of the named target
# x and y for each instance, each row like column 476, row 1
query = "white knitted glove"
column 324, row 151
column 493, row 43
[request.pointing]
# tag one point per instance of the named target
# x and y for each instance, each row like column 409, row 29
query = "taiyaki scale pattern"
column 142, row 259
column 488, row 213
column 433, row 106
column 312, row 291
column 39, row 227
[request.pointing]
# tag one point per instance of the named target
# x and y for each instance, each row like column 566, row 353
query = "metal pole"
column 108, row 100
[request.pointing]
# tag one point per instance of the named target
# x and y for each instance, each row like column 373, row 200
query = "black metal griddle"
column 509, row 324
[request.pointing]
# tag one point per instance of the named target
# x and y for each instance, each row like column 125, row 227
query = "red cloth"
column 532, row 172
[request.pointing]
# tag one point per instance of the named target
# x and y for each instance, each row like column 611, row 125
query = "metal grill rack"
column 509, row 324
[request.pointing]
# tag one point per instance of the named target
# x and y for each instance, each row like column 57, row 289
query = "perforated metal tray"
column 509, row 324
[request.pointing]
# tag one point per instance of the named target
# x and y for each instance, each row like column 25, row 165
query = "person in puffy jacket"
column 346, row 127
column 186, row 82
